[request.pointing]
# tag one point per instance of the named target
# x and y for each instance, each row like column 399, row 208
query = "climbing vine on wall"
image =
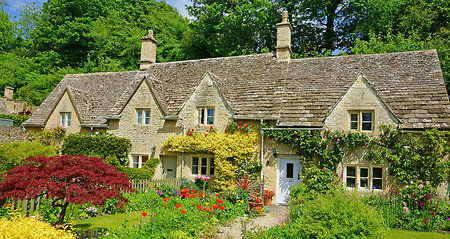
column 230, row 150
column 325, row 148
column 413, row 158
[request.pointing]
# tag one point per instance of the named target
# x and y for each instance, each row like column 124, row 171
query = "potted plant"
column 251, row 188
column 268, row 195
column 255, row 203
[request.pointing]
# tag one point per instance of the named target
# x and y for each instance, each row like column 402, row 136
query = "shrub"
column 146, row 172
column 99, row 145
column 12, row 154
column 337, row 215
column 52, row 135
column 29, row 227
column 315, row 182
column 17, row 119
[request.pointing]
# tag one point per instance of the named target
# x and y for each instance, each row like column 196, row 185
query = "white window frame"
column 204, row 117
column 358, row 177
column 139, row 161
column 65, row 119
column 210, row 165
column 144, row 118
column 360, row 120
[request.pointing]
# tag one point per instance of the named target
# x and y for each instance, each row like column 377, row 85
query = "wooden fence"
column 148, row 184
column 31, row 205
column 27, row 205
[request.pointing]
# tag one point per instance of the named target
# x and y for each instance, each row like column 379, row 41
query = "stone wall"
column 11, row 134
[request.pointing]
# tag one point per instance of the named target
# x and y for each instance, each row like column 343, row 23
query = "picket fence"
column 31, row 205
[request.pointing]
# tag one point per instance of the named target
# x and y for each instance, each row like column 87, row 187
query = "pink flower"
column 379, row 142
column 406, row 186
column 425, row 220
column 335, row 136
column 324, row 168
column 428, row 182
column 295, row 132
column 420, row 186
column 342, row 135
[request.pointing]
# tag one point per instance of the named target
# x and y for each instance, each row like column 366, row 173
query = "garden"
column 84, row 191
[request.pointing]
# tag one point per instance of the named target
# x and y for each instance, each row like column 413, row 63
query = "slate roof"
column 298, row 94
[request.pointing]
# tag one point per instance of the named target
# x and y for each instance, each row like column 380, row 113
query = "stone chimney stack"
column 283, row 47
column 148, row 50
column 9, row 92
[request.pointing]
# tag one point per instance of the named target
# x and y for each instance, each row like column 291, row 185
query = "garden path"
column 273, row 215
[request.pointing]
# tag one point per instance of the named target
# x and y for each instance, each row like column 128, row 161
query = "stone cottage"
column 355, row 92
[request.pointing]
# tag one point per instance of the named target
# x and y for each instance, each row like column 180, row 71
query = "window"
column 143, row 117
column 361, row 120
column 206, row 116
column 138, row 161
column 206, row 166
column 65, row 119
column 364, row 177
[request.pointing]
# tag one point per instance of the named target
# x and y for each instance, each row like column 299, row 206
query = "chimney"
column 9, row 92
column 283, row 47
column 148, row 50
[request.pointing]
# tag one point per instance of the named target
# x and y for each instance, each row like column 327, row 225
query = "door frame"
column 279, row 160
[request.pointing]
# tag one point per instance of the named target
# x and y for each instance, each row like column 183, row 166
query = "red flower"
column 183, row 211
column 185, row 190
column 211, row 209
column 425, row 220
column 219, row 200
column 144, row 214
column 193, row 190
column 221, row 208
column 245, row 126
column 204, row 208
column 241, row 130
column 194, row 195
column 215, row 206
column 199, row 207
column 165, row 199
column 226, row 131
column 188, row 195
column 201, row 194
column 206, row 135
column 240, row 123
column 210, row 127
column 177, row 205
column 165, row 204
column 217, row 195
column 240, row 126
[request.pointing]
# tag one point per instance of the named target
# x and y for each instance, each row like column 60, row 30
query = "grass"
column 400, row 234
column 105, row 222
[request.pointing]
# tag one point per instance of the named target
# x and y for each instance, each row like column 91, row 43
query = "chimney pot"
column 9, row 93
column 284, row 29
column 148, row 50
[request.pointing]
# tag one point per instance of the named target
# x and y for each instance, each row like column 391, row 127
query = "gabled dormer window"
column 143, row 117
column 205, row 115
column 65, row 119
column 361, row 120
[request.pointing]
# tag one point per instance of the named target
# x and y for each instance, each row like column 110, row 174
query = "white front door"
column 288, row 173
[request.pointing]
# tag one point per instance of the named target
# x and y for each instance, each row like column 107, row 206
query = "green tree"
column 8, row 31
column 224, row 28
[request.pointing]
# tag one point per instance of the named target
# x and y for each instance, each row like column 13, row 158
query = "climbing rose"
column 177, row 205
column 144, row 214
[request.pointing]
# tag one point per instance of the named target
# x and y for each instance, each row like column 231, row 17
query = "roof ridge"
column 363, row 55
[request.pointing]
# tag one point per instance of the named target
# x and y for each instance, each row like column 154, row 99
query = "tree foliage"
column 65, row 179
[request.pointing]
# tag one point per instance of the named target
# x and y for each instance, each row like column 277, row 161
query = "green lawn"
column 399, row 234
column 101, row 223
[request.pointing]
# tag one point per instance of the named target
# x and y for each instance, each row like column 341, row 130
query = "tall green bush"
column 98, row 145
column 12, row 154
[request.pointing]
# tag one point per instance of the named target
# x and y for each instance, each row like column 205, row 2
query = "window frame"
column 65, row 119
column 144, row 118
column 360, row 121
column 203, row 117
column 140, row 162
column 370, row 177
column 209, row 167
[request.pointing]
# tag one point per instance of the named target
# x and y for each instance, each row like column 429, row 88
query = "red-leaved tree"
column 65, row 179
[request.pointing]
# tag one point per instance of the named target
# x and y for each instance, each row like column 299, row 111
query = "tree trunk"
column 331, row 17
column 62, row 214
